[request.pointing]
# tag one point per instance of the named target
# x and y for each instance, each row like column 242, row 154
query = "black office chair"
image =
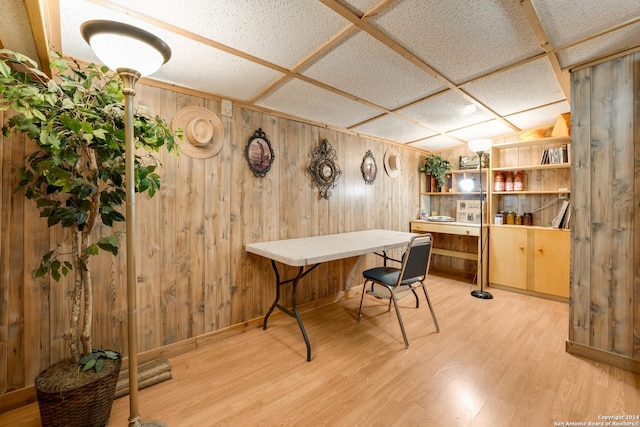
column 395, row 283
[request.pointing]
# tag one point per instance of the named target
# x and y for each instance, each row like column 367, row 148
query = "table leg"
column 294, row 311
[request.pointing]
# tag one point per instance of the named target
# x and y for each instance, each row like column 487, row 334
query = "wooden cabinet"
column 531, row 259
column 551, row 262
column 508, row 256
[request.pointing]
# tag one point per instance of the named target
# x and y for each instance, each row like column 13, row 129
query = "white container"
column 498, row 220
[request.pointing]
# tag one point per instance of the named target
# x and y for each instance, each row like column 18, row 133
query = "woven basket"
column 88, row 405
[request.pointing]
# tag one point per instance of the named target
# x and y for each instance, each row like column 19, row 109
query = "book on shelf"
column 559, row 220
column 555, row 156
column 567, row 219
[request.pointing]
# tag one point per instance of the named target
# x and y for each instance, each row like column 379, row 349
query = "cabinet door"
column 551, row 262
column 508, row 257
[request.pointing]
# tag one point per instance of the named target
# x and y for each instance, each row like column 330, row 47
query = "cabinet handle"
column 521, row 247
column 539, row 249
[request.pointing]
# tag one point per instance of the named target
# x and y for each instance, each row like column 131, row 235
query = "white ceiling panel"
column 518, row 89
column 446, row 111
column 461, row 39
column 394, row 128
column 360, row 7
column 624, row 38
column 435, row 62
column 217, row 71
column 539, row 116
column 281, row 32
column 435, row 143
column 363, row 67
column 305, row 100
column 12, row 19
column 490, row 129
column 567, row 21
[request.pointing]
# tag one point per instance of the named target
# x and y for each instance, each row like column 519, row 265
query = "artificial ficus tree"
column 76, row 173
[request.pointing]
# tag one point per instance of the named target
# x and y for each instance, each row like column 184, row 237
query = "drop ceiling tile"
column 435, row 143
column 518, row 89
column 490, row 129
column 12, row 20
column 461, row 39
column 282, row 32
column 360, row 7
column 308, row 101
column 599, row 47
column 371, row 71
column 570, row 20
column 446, row 111
column 394, row 128
column 217, row 71
column 539, row 116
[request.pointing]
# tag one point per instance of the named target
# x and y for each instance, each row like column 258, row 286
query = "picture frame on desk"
column 468, row 211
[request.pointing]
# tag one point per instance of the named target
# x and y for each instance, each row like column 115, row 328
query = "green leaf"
column 100, row 134
column 89, row 365
column 86, row 127
column 41, row 271
column 5, row 70
column 111, row 354
column 91, row 250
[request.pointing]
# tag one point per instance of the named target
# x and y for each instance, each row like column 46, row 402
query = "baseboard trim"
column 27, row 395
column 602, row 356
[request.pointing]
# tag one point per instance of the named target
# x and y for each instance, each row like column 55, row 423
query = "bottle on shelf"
column 508, row 185
column 510, row 218
column 498, row 180
column 518, row 184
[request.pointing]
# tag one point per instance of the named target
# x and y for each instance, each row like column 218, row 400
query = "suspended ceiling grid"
column 428, row 73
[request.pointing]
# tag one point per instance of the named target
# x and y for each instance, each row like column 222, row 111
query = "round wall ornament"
column 323, row 168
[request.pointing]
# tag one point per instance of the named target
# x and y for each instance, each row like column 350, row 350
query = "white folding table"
column 307, row 253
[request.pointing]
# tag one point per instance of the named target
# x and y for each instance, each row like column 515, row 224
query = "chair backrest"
column 417, row 257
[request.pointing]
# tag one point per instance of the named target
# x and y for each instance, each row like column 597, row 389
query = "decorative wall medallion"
column 369, row 168
column 323, row 169
column 259, row 153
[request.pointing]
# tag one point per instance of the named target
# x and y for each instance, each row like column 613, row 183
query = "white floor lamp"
column 132, row 53
column 480, row 146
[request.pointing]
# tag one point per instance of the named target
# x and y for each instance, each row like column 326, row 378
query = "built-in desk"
column 459, row 228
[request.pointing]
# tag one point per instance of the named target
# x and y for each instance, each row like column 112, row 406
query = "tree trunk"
column 77, row 293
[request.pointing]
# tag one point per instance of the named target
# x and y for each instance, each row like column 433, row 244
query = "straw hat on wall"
column 203, row 132
column 392, row 163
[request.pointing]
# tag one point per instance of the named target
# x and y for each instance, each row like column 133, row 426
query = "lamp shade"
column 120, row 45
column 479, row 145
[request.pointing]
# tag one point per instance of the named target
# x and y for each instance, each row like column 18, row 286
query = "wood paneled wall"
column 605, row 251
column 194, row 276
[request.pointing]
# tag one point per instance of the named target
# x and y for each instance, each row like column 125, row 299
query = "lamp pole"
column 129, row 78
column 480, row 146
column 127, row 49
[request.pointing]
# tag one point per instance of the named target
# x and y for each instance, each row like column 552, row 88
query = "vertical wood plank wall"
column 605, row 251
column 194, row 276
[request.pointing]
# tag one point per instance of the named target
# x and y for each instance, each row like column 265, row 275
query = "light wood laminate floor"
column 499, row 362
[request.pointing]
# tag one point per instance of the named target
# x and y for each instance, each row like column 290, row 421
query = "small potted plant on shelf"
column 436, row 166
column 76, row 175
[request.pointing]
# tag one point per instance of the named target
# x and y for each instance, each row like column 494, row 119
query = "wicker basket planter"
column 85, row 405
